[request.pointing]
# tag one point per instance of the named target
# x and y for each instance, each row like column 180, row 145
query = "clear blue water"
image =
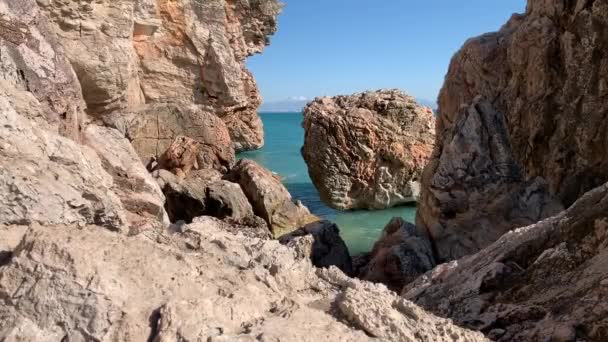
column 284, row 137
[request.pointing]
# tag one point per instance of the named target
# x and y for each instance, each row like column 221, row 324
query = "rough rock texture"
column 367, row 150
column 544, row 282
column 132, row 52
column 32, row 61
column 269, row 198
column 400, row 256
column 153, row 128
column 91, row 284
column 474, row 189
column 327, row 247
column 547, row 72
column 48, row 179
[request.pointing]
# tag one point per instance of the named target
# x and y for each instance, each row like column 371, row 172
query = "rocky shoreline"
column 125, row 216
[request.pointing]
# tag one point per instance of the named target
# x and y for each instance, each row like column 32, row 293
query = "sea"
column 284, row 137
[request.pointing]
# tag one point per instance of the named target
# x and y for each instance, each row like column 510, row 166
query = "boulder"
column 367, row 151
column 400, row 256
column 227, row 200
column 327, row 247
column 269, row 198
column 155, row 129
column 545, row 281
column 474, row 190
column 200, row 283
column 130, row 53
column 543, row 71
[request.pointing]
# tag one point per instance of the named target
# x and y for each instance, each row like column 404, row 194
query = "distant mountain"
column 291, row 105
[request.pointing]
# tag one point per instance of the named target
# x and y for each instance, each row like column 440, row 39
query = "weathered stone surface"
column 269, row 198
column 10, row 236
column 547, row 73
column 367, row 150
column 400, row 256
column 546, row 281
column 32, row 61
column 128, row 53
column 91, row 284
column 49, row 179
column 327, row 247
column 139, row 193
column 474, row 189
column 227, row 200
column 153, row 128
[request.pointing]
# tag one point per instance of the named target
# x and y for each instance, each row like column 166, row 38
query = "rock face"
column 32, row 61
column 128, row 53
column 367, row 150
column 399, row 257
column 474, row 189
column 327, row 247
column 269, row 198
column 546, row 281
column 545, row 71
column 153, row 128
column 92, row 284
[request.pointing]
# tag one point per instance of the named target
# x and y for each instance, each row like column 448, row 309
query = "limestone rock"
column 400, row 256
column 367, row 150
column 544, row 72
column 227, row 200
column 540, row 282
column 153, row 128
column 91, row 284
column 327, row 248
column 269, row 198
column 140, row 195
column 10, row 236
column 49, row 179
column 474, row 189
column 32, row 61
column 127, row 53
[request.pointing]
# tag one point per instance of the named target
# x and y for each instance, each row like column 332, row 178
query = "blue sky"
column 329, row 47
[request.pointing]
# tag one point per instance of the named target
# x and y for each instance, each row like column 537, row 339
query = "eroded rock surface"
column 367, row 150
column 89, row 283
column 269, row 198
column 127, row 53
column 326, row 248
column 546, row 281
column 547, row 73
column 401, row 255
column 474, row 189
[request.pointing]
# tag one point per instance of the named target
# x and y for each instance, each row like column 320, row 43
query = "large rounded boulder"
column 367, row 151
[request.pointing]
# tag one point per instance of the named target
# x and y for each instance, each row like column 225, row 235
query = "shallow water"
column 284, row 137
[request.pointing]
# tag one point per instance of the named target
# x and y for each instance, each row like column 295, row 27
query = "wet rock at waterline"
column 367, row 150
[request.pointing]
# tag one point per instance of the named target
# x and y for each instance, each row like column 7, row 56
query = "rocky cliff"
column 86, row 249
column 367, row 150
column 544, row 75
column 132, row 53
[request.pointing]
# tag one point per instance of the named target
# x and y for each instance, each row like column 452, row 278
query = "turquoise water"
column 284, row 137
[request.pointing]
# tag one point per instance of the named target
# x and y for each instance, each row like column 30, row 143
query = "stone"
column 327, row 247
column 180, row 158
column 10, row 236
column 49, row 179
column 544, row 73
column 227, row 200
column 200, row 283
column 367, row 150
column 140, row 195
column 474, row 190
column 31, row 60
column 269, row 198
column 542, row 281
column 152, row 130
column 399, row 256
column 129, row 53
